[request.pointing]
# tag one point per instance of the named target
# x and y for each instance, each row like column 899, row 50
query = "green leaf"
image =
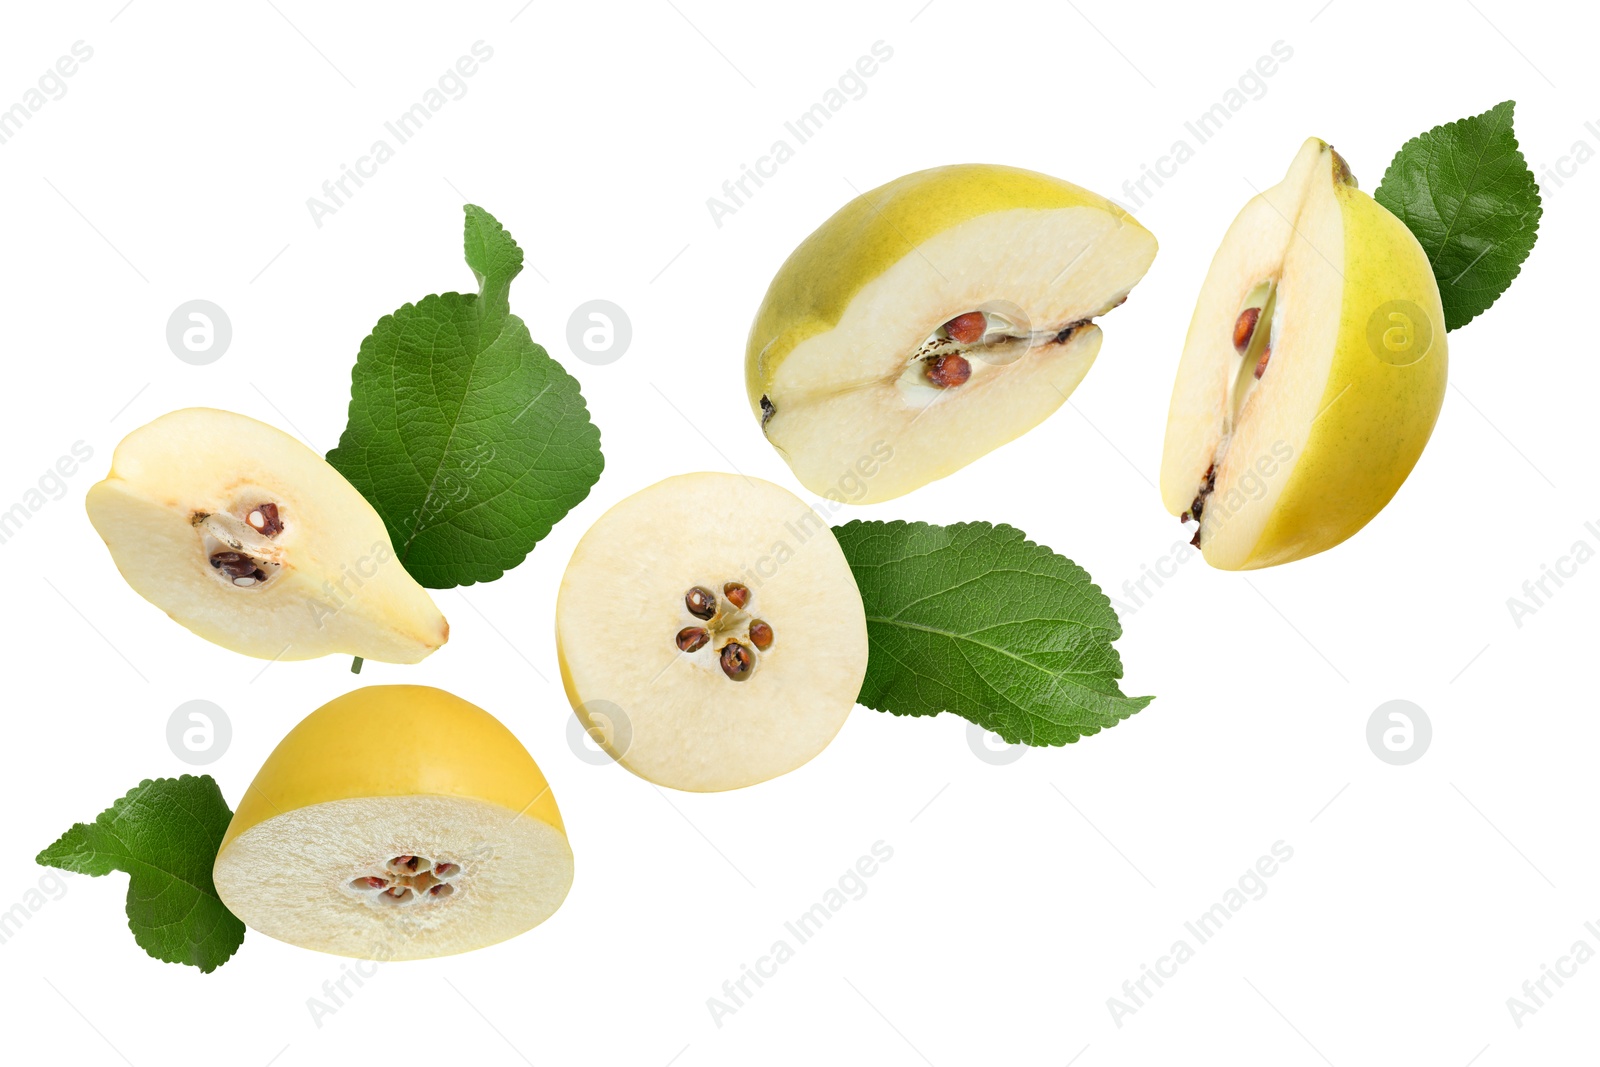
column 977, row 620
column 468, row 439
column 494, row 258
column 164, row 835
column 1465, row 191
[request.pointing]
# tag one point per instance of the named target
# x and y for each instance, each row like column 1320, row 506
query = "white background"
column 1020, row 897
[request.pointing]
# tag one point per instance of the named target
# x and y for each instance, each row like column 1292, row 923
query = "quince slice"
column 251, row 540
column 1312, row 375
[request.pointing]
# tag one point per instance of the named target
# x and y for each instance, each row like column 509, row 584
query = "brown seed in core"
column 692, row 639
column 948, row 370
column 408, row 862
column 736, row 661
column 738, row 595
column 444, row 869
column 1261, row 368
column 1198, row 508
column 967, row 329
column 368, row 883
column 1243, row 327
column 235, row 564
column 263, row 518
column 702, row 604
column 761, row 635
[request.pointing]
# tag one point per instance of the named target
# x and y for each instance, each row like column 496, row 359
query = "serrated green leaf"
column 164, row 835
column 468, row 439
column 493, row 256
column 977, row 620
column 1467, row 194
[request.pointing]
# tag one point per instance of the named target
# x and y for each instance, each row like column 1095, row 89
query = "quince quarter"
column 1312, row 374
column 251, row 540
column 396, row 822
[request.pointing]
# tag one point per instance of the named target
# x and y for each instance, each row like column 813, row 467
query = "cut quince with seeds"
column 251, row 540
column 710, row 632
column 1312, row 375
column 396, row 822
column 932, row 320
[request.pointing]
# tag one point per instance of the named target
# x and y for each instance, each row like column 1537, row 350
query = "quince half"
column 396, row 822
column 933, row 320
